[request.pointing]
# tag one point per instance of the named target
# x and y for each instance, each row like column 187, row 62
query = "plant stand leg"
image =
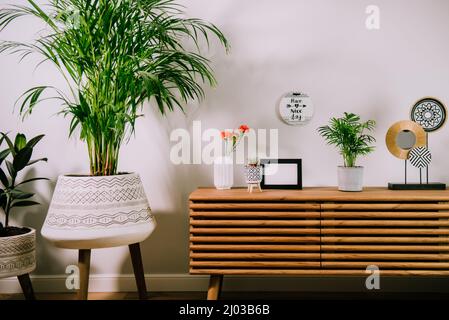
column 27, row 287
column 215, row 283
column 136, row 258
column 84, row 267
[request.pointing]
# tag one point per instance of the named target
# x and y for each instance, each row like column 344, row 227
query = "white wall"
column 319, row 47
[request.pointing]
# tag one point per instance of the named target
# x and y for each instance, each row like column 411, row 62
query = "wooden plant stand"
column 27, row 287
column 136, row 258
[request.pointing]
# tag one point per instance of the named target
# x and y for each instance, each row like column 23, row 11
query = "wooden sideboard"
column 318, row 231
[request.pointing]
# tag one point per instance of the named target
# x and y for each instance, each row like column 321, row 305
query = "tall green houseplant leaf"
column 115, row 55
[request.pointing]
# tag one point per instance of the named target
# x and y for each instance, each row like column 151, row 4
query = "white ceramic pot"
column 89, row 212
column 223, row 173
column 18, row 254
column 350, row 178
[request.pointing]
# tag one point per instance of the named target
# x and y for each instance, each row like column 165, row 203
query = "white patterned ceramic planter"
column 18, row 254
column 253, row 174
column 89, row 212
column 253, row 177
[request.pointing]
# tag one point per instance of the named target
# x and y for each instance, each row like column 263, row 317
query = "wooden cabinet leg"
column 27, row 287
column 215, row 282
column 84, row 267
column 136, row 258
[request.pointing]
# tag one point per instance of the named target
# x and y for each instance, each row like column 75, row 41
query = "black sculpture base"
column 417, row 186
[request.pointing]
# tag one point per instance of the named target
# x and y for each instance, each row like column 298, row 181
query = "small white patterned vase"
column 89, row 212
column 18, row 254
column 253, row 174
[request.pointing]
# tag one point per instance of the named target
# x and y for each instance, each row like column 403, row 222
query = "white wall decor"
column 296, row 108
column 430, row 113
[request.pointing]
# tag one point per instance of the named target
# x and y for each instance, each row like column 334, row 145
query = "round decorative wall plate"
column 296, row 108
column 430, row 113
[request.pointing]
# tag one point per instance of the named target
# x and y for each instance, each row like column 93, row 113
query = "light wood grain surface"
column 318, row 232
column 319, row 194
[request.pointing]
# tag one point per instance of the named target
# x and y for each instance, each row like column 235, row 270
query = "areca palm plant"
column 349, row 135
column 115, row 55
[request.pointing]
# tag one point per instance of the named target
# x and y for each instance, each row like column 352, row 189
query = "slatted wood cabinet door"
column 254, row 238
column 407, row 238
column 318, row 231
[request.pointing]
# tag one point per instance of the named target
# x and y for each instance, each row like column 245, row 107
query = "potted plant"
column 348, row 135
column 115, row 55
column 17, row 244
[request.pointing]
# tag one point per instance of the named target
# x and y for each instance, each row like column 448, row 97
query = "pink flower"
column 226, row 134
column 233, row 137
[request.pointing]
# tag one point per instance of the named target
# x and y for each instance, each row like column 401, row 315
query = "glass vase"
column 223, row 172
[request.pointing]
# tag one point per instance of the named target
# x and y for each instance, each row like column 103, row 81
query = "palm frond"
column 115, row 55
column 348, row 135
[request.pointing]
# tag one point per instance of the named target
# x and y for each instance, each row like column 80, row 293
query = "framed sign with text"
column 296, row 108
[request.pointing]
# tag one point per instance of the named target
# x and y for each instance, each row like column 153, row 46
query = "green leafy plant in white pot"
column 349, row 135
column 17, row 244
column 115, row 55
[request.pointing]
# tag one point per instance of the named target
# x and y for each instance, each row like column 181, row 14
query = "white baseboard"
column 186, row 282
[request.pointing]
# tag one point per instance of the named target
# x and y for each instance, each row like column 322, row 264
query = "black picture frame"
column 297, row 186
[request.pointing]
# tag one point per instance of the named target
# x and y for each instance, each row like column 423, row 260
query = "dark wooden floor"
column 238, row 296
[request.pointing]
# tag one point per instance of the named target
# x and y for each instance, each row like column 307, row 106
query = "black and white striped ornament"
column 420, row 157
